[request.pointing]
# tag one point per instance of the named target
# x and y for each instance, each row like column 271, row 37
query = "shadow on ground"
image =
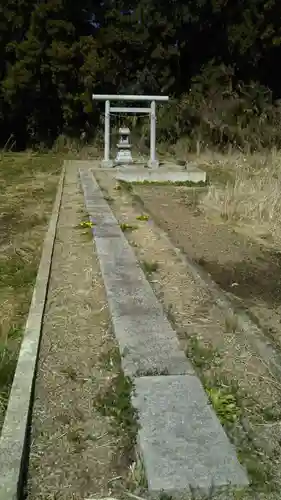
column 260, row 278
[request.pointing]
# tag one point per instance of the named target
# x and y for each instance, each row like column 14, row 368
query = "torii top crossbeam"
column 120, row 97
column 151, row 111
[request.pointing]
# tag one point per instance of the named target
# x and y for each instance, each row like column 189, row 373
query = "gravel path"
column 73, row 452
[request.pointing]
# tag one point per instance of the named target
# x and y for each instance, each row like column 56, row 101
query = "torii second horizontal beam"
column 120, row 97
column 130, row 110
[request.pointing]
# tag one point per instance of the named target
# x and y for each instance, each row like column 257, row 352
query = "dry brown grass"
column 27, row 188
column 81, row 149
column 245, row 190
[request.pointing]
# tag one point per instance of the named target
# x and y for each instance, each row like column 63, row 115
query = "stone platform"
column 166, row 172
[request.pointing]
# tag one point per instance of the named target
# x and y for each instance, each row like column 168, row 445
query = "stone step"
column 183, row 446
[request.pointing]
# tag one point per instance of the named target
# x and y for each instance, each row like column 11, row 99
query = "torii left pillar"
column 106, row 162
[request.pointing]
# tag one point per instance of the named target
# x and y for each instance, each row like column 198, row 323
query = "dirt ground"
column 75, row 452
column 226, row 362
column 28, row 184
column 242, row 265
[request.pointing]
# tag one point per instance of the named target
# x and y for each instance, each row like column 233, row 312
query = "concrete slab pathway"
column 181, row 441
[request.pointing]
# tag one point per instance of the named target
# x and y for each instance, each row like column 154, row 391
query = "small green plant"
column 202, row 356
column 8, row 361
column 77, row 439
column 115, row 402
column 259, row 471
column 127, row 227
column 149, row 267
column 170, row 314
column 7, row 364
column 108, row 198
column 271, row 413
column 224, row 404
column 76, row 435
column 142, row 217
column 110, row 359
column 137, row 475
column 126, row 185
column 15, row 332
column 86, row 224
column 16, row 272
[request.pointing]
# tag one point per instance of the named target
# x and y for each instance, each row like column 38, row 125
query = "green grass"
column 8, row 361
column 128, row 186
column 231, row 404
column 111, row 359
column 15, row 272
column 171, row 183
column 15, row 332
column 170, row 314
column 115, row 402
column 15, row 166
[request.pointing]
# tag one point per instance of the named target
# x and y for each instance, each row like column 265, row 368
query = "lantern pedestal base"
column 124, row 156
column 107, row 164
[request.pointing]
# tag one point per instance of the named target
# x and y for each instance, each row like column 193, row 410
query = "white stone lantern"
column 124, row 155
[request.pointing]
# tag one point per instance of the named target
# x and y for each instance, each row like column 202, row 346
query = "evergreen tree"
column 50, row 73
column 55, row 53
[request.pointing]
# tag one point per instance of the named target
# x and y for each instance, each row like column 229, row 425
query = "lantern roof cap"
column 124, row 131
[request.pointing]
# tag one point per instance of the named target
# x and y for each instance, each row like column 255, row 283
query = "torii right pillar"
column 153, row 162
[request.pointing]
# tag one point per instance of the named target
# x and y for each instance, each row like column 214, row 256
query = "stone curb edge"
column 14, row 435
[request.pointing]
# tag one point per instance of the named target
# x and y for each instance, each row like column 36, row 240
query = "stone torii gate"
column 107, row 162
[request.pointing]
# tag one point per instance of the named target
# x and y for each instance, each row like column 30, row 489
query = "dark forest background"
column 219, row 60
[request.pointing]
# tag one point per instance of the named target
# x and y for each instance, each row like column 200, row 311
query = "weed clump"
column 127, row 227
column 149, row 267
